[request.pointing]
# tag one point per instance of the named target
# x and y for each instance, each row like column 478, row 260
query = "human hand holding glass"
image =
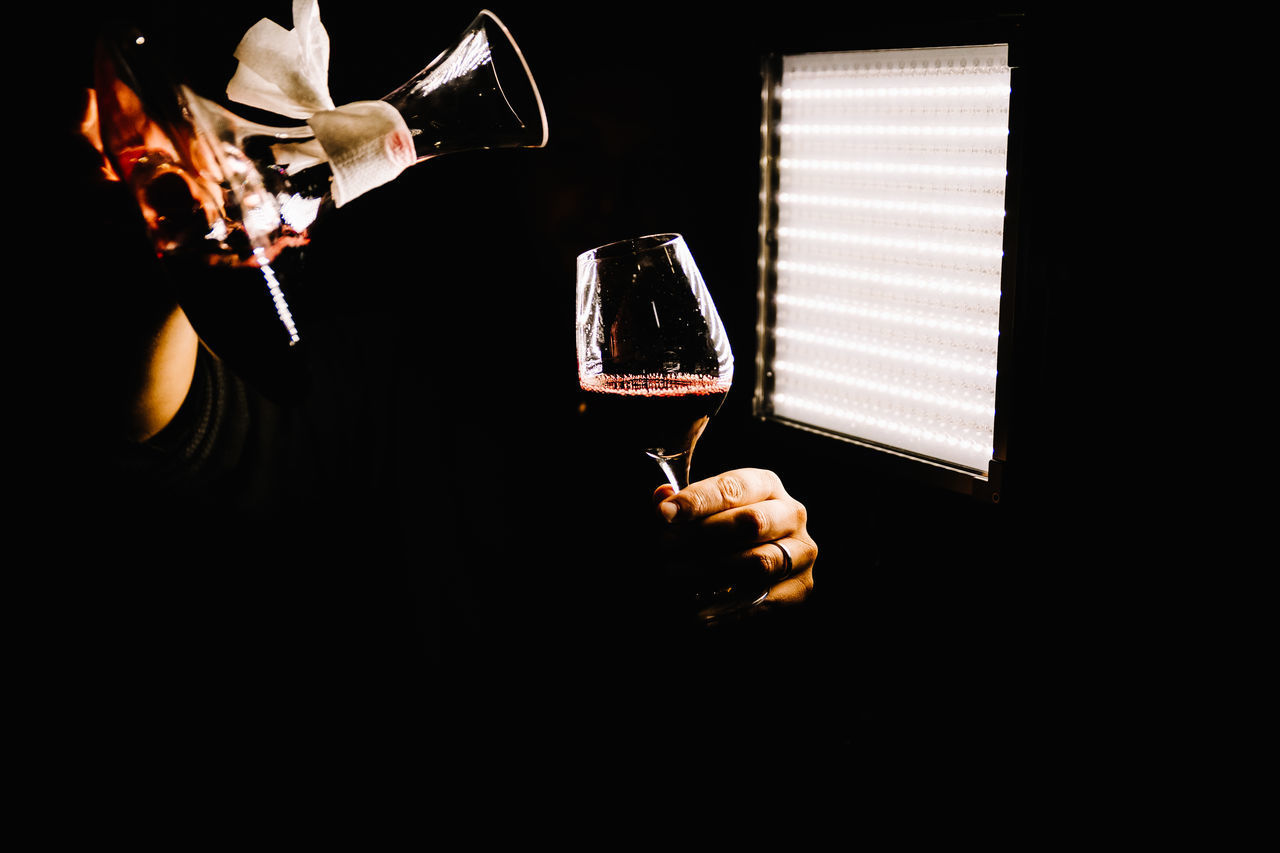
column 655, row 363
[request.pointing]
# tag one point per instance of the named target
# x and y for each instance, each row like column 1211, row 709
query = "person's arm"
column 164, row 377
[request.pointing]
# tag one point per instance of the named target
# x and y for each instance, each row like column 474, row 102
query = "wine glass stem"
column 675, row 468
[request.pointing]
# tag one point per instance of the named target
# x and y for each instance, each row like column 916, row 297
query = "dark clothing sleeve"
column 251, row 552
column 390, row 552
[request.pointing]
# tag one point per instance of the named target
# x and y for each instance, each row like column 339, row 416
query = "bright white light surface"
column 890, row 230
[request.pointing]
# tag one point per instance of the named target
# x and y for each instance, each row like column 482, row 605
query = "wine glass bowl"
column 651, row 346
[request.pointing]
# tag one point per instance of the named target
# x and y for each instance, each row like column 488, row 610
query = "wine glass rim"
column 631, row 246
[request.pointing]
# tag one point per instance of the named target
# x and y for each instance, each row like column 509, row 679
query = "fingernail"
column 669, row 510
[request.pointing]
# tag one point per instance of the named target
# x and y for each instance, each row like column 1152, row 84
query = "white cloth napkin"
column 367, row 143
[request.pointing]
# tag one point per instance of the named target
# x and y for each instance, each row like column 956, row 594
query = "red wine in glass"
column 661, row 414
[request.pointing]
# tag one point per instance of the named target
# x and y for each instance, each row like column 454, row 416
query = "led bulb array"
column 891, row 170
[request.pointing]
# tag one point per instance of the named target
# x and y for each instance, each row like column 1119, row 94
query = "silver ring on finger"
column 787, row 567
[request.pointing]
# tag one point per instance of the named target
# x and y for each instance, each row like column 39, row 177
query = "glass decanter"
column 230, row 203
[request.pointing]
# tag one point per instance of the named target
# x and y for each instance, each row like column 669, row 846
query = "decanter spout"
column 479, row 93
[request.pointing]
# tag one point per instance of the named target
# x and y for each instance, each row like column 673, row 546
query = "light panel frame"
column 972, row 471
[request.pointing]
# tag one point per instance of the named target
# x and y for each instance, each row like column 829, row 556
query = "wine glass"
column 655, row 362
column 230, row 203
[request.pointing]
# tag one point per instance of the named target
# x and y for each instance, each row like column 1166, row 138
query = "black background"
column 935, row 612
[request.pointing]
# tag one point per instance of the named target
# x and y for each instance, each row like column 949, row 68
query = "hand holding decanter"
column 230, row 203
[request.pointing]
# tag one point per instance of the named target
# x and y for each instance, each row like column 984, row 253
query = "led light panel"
column 885, row 223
